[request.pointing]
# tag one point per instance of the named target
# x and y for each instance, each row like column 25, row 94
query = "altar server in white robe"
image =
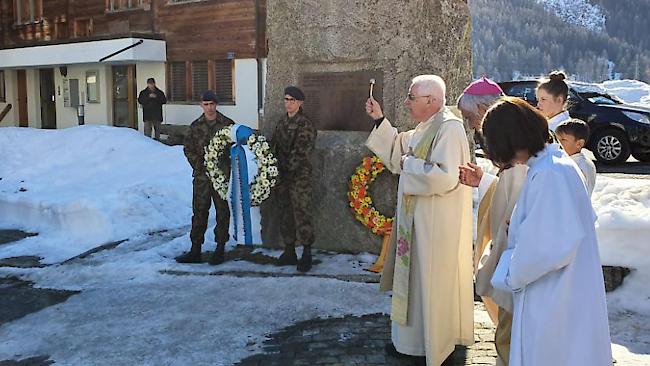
column 429, row 265
column 552, row 264
column 552, row 95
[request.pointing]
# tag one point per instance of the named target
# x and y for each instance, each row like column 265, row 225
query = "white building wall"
column 11, row 94
column 33, row 98
column 95, row 113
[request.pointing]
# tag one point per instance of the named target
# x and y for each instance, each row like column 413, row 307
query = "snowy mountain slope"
column 577, row 12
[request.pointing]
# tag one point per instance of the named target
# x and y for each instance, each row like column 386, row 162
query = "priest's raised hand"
column 374, row 109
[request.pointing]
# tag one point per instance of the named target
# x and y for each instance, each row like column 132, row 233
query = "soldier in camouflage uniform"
column 202, row 130
column 293, row 143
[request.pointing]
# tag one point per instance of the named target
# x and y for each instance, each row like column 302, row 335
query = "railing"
column 5, row 111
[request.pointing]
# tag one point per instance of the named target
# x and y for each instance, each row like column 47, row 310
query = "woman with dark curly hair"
column 552, row 265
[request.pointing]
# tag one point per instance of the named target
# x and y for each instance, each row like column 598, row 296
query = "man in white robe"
column 437, row 312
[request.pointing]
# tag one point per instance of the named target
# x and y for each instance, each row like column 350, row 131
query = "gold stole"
column 404, row 233
column 483, row 240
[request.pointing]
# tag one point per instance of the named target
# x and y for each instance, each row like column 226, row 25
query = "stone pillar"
column 399, row 39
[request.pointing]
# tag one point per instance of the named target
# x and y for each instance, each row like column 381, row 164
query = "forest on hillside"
column 518, row 38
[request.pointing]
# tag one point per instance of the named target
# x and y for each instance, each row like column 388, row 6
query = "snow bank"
column 623, row 227
column 631, row 91
column 87, row 185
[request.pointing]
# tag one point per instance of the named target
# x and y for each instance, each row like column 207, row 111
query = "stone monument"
column 331, row 49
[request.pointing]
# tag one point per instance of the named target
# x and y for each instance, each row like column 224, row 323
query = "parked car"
column 617, row 129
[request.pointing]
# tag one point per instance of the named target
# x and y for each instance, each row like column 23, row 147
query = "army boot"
column 288, row 257
column 219, row 255
column 304, row 265
column 193, row 256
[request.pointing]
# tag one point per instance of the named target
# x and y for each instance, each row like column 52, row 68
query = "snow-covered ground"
column 129, row 312
column 85, row 186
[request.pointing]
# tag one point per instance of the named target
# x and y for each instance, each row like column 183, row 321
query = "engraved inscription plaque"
column 336, row 100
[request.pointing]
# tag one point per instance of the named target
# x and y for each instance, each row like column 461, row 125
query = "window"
column 188, row 79
column 83, row 27
column 118, row 5
column 3, row 96
column 525, row 91
column 601, row 100
column 92, row 86
column 177, row 81
column 223, row 80
column 200, row 79
column 28, row 11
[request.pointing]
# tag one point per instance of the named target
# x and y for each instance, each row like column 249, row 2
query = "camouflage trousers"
column 203, row 197
column 294, row 197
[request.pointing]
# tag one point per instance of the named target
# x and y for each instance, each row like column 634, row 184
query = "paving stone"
column 32, row 361
column 11, row 236
column 19, row 298
column 23, row 261
column 352, row 341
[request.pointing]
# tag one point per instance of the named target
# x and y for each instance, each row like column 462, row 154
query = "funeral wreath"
column 360, row 199
column 260, row 187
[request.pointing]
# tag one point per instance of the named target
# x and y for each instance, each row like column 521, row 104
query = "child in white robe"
column 573, row 135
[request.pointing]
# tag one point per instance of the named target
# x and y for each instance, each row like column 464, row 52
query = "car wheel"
column 642, row 156
column 611, row 147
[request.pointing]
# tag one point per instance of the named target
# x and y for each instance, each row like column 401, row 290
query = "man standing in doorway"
column 152, row 99
column 202, row 130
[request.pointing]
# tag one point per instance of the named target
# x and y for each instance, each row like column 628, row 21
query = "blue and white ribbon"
column 244, row 171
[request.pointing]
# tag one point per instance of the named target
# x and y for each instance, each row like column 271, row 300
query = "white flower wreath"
column 260, row 186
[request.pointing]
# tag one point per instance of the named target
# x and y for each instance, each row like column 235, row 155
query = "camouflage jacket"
column 293, row 143
column 199, row 136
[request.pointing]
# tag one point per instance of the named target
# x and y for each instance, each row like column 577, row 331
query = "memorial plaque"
column 336, row 100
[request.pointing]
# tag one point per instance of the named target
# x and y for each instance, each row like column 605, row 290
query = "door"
column 23, row 121
column 124, row 97
column 48, row 104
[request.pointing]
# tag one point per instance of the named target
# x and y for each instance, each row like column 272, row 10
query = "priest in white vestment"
column 429, row 267
column 552, row 264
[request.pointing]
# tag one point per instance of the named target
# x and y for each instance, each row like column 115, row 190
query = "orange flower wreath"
column 360, row 200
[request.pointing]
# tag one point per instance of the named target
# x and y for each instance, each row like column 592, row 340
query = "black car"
column 617, row 129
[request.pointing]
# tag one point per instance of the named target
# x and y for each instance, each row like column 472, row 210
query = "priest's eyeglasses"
column 412, row 97
column 290, row 100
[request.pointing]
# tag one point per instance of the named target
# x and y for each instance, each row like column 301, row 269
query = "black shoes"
column 219, row 255
column 193, row 256
column 304, row 265
column 393, row 352
column 288, row 257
